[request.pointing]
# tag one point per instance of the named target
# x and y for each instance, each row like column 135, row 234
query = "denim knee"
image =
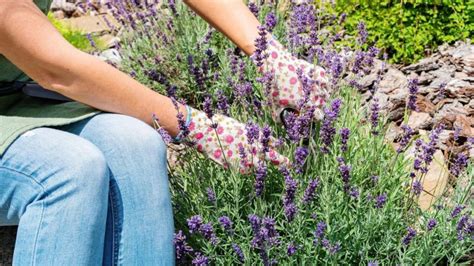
column 59, row 166
column 127, row 135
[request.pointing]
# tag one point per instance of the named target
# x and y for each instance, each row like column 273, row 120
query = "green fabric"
column 20, row 113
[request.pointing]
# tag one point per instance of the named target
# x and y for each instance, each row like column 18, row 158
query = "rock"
column 393, row 132
column 425, row 78
column 368, row 80
column 89, row 24
column 419, row 120
column 109, row 40
column 392, row 80
column 464, row 124
column 59, row 14
column 434, row 182
column 464, row 50
column 442, row 75
column 426, row 64
column 469, row 60
column 111, row 55
column 452, row 108
column 424, row 105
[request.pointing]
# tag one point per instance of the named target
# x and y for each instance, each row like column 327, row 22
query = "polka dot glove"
column 287, row 90
column 228, row 142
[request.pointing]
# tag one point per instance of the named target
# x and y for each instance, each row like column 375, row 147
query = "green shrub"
column 75, row 37
column 409, row 29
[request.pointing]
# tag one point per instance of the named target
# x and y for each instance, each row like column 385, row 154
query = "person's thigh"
column 141, row 203
column 54, row 185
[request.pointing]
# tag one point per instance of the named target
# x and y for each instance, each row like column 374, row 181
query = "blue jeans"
column 90, row 193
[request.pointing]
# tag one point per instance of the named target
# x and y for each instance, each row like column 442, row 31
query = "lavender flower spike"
column 226, row 223
column 413, row 90
column 431, row 224
column 309, row 193
column 411, row 233
column 181, row 246
column 238, row 252
column 344, row 132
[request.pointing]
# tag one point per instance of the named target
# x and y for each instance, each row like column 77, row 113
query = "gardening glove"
column 287, row 88
column 228, row 142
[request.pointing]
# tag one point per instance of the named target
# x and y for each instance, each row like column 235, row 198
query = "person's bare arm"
column 232, row 18
column 29, row 41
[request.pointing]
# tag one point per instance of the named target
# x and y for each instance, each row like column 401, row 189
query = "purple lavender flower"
column 373, row 263
column 172, row 6
column 411, row 233
column 207, row 230
column 375, row 178
column 194, row 223
column 290, row 211
column 265, row 138
column 238, row 252
column 270, row 21
column 200, row 260
column 430, row 148
column 290, row 185
column 431, row 224
column 253, row 132
column 342, row 18
column 417, row 187
column 413, row 90
column 407, row 135
column 328, row 131
column 300, row 157
column 354, row 192
column 291, row 249
column 207, row 107
column 442, row 91
column 226, row 223
column 345, row 171
column 309, row 193
column 254, row 9
column 344, row 132
column 459, row 164
column 260, row 175
column 254, row 222
column 261, row 46
column 181, row 246
column 333, row 249
column 222, row 103
column 211, row 195
column 91, row 40
column 320, row 230
column 463, row 227
column 380, row 200
column 374, row 115
column 457, row 210
column 362, row 33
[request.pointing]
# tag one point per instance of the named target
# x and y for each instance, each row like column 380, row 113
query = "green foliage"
column 75, row 37
column 409, row 29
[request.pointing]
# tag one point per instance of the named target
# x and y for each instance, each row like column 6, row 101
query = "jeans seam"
column 42, row 207
column 115, row 227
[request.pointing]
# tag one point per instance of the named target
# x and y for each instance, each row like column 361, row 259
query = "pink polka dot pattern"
column 287, row 89
column 222, row 143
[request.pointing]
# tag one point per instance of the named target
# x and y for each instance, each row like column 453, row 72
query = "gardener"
column 86, row 180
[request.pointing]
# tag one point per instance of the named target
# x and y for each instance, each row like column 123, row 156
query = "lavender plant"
column 349, row 198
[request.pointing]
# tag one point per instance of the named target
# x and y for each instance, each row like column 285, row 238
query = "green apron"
column 20, row 113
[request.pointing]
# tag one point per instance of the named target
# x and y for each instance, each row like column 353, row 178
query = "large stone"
column 426, row 64
column 434, row 182
column 91, row 24
column 463, row 50
column 419, row 120
column 392, row 80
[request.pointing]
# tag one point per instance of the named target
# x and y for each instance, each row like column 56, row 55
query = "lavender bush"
column 350, row 197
